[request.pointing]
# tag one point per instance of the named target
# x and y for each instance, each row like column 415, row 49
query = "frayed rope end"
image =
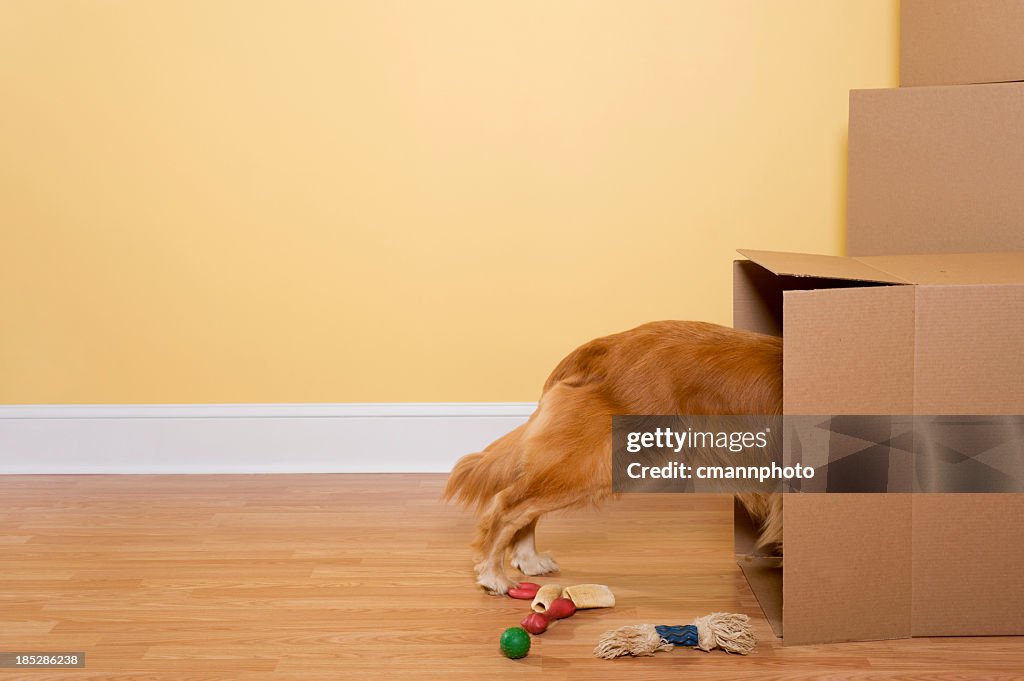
column 729, row 631
column 635, row 639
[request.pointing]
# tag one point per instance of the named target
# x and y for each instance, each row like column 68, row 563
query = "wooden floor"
column 368, row 577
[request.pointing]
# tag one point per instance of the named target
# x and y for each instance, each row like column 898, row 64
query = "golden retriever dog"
column 561, row 457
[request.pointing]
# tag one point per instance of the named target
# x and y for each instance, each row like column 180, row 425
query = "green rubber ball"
column 515, row 643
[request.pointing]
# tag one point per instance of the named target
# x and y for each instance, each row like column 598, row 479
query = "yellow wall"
column 303, row 201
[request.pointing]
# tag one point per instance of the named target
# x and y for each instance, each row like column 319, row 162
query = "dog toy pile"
column 730, row 632
column 549, row 603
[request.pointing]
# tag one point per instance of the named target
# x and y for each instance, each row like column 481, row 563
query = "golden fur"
column 561, row 457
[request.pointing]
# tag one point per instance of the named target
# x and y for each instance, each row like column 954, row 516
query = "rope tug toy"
column 730, row 632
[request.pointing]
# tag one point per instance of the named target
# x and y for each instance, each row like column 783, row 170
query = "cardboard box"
column 955, row 42
column 931, row 334
column 936, row 170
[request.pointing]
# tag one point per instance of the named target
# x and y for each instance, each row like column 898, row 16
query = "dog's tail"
column 478, row 477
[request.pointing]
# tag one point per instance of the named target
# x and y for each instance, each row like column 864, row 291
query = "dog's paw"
column 535, row 564
column 495, row 584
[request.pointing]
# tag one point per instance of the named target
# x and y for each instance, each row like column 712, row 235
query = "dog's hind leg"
column 511, row 512
column 524, row 553
column 490, row 566
column 566, row 462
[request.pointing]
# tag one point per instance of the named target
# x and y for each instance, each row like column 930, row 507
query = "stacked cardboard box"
column 925, row 316
column 958, row 42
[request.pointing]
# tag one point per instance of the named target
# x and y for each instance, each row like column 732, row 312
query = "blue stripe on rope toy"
column 729, row 631
column 685, row 635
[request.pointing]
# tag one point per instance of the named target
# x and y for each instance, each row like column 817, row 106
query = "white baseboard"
column 249, row 438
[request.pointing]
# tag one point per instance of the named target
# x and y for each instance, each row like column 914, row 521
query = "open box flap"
column 931, row 269
column 952, row 268
column 820, row 266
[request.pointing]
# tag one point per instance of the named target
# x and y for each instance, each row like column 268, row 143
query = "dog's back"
column 673, row 367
